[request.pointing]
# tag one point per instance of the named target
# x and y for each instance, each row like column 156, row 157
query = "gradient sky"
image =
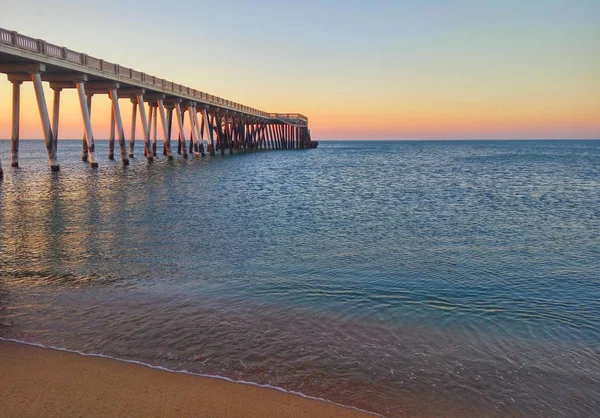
column 358, row 70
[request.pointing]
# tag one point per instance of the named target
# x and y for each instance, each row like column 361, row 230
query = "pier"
column 211, row 123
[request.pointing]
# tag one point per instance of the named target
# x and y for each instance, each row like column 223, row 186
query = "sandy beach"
column 44, row 382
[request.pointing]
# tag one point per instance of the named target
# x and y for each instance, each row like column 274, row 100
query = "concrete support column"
column 165, row 129
column 245, row 135
column 179, row 151
column 235, row 133
column 268, row 136
column 199, row 134
column 16, row 109
column 265, row 138
column 249, row 134
column 213, row 127
column 257, row 137
column 252, row 135
column 240, row 133
column 45, row 119
column 272, row 137
column 142, row 109
column 221, row 133
column 191, row 112
column 292, row 137
column 280, row 136
column 116, row 116
column 200, row 124
column 133, row 122
column 150, row 120
column 209, row 134
column 55, row 119
column 249, row 141
column 84, row 147
column 154, row 128
column 181, row 132
column 228, row 133
column 111, row 137
column 167, row 143
column 87, row 124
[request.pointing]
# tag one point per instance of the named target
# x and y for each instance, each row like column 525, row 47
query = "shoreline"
column 50, row 381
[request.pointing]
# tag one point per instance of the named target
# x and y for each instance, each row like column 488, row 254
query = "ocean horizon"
column 392, row 276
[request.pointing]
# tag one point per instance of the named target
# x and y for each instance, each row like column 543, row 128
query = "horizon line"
column 372, row 140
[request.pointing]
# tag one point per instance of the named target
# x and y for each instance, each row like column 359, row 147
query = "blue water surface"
column 436, row 278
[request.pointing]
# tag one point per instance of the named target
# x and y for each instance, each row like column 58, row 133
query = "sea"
column 430, row 278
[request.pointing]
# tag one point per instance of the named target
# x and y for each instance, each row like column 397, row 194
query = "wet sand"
column 44, row 382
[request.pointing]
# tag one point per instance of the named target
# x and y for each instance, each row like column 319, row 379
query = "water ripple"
column 418, row 278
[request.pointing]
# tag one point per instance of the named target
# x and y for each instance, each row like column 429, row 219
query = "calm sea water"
column 441, row 278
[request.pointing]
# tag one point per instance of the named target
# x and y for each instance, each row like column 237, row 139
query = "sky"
column 357, row 69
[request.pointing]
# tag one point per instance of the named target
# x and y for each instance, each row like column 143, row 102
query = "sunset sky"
column 358, row 70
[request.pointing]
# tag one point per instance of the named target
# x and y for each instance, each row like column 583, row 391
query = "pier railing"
column 297, row 116
column 42, row 47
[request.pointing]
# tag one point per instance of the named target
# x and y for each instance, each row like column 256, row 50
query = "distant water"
column 446, row 278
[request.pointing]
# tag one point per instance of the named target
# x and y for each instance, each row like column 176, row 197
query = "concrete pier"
column 223, row 125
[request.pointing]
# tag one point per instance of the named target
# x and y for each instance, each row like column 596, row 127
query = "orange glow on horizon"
column 416, row 118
